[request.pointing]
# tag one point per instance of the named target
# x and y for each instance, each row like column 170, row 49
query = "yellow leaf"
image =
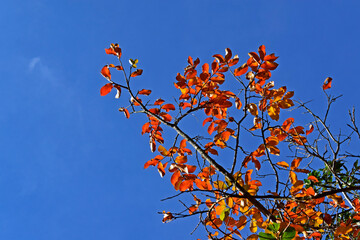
column 253, row 226
column 293, row 177
column 274, row 111
column 283, row 164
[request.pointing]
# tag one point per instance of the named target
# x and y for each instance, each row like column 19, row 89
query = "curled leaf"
column 327, row 83
column 125, row 111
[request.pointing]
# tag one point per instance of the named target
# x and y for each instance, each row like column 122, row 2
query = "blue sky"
column 71, row 166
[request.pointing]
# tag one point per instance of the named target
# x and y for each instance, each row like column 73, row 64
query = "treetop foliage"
column 298, row 181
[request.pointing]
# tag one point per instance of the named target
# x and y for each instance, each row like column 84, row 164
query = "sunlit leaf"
column 138, row 72
column 145, row 92
column 106, row 72
column 168, row 107
column 327, row 83
column 241, row 70
column 283, row 164
column 125, row 111
column 106, row 89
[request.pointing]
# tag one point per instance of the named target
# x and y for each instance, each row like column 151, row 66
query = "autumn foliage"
column 254, row 168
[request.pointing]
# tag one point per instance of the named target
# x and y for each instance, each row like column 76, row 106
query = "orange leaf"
column 193, row 209
column 310, row 191
column 138, row 72
column 181, row 159
column 114, row 49
column 270, row 57
column 167, row 217
column 126, row 112
column 106, row 72
column 295, row 163
column 183, row 143
column 146, row 128
column 161, row 169
column 269, row 65
column 203, row 185
column 211, row 128
column 262, row 52
column 175, row 177
column 152, row 162
column 287, row 124
column 283, row 164
column 313, row 178
column 293, row 177
column 327, row 83
column 106, row 89
column 185, row 185
column 144, row 92
column 241, row 70
column 166, row 117
column 110, row 51
column 168, row 107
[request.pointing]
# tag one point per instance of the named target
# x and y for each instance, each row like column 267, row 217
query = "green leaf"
column 289, row 234
column 266, row 236
column 274, row 227
column 224, row 214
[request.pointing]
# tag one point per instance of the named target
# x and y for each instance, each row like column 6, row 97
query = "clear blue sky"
column 71, row 166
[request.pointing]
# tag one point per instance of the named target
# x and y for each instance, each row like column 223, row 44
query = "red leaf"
column 254, row 56
column 262, row 52
column 311, row 128
column 138, row 72
column 270, row 57
column 118, row 88
column 146, row 128
column 190, row 60
column 144, row 92
column 228, row 54
column 110, row 51
column 159, row 101
column 183, row 143
column 114, row 49
column 269, row 65
column 211, row 128
column 106, row 72
column 126, row 112
column 168, row 107
column 152, row 162
column 209, row 119
column 219, row 58
column 327, row 83
column 166, row 117
column 106, row 89
column 205, row 68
